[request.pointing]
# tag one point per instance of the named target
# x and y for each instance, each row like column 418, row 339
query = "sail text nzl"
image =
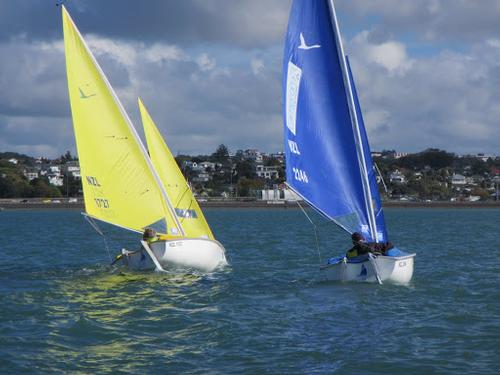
column 93, row 181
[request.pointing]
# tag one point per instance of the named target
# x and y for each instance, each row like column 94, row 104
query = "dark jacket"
column 362, row 248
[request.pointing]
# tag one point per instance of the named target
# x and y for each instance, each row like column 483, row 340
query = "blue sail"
column 372, row 175
column 323, row 163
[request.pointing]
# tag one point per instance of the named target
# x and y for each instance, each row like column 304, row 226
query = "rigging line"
column 180, row 199
column 315, row 231
column 93, row 224
column 381, row 178
column 182, row 195
column 322, row 214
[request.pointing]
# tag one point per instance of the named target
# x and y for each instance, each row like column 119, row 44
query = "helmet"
column 356, row 237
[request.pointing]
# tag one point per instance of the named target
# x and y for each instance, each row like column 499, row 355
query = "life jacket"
column 152, row 239
column 352, row 253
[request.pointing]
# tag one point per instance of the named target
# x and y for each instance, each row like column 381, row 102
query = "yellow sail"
column 188, row 211
column 120, row 185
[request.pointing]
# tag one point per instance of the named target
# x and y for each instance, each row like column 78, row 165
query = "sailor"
column 361, row 247
column 149, row 235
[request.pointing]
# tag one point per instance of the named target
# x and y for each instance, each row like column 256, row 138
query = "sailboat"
column 125, row 186
column 328, row 160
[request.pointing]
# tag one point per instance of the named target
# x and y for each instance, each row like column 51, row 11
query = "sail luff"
column 128, row 122
column 376, row 200
column 355, row 124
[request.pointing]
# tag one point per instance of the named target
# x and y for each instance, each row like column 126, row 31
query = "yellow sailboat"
column 122, row 185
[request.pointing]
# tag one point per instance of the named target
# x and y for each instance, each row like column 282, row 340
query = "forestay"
column 120, row 187
column 327, row 153
column 186, row 207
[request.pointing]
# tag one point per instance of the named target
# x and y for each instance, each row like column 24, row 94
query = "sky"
column 427, row 71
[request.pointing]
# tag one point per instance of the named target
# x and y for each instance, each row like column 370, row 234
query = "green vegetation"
column 429, row 175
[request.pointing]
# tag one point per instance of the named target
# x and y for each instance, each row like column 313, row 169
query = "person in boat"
column 361, row 247
column 150, row 235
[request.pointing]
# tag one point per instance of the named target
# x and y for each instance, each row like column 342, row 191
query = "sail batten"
column 325, row 141
column 119, row 182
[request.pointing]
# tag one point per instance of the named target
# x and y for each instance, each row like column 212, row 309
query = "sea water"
column 63, row 309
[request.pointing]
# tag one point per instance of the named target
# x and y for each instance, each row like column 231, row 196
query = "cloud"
column 390, row 54
column 448, row 100
column 245, row 24
column 161, row 53
column 196, row 102
column 460, row 21
column 257, row 66
column 209, row 71
column 205, row 62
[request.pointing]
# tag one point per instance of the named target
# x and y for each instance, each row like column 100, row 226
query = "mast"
column 131, row 127
column 355, row 125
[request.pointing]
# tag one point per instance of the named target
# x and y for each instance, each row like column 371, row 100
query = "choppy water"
column 63, row 309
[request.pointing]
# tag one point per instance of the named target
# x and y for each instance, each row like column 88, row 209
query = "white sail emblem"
column 294, row 74
column 303, row 44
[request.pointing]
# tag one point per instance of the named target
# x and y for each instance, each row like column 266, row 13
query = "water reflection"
column 103, row 317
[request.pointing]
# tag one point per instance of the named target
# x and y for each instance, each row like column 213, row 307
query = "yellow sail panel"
column 119, row 185
column 186, row 207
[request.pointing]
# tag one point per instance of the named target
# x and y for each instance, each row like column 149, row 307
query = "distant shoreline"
column 8, row 205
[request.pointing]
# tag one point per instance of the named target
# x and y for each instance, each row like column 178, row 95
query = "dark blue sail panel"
column 321, row 157
column 372, row 176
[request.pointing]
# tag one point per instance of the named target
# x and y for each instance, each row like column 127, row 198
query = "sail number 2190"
column 300, row 175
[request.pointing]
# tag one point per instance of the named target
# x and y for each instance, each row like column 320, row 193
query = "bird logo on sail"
column 303, row 44
column 83, row 95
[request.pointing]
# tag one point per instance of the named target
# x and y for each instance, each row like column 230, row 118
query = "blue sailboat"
column 328, row 160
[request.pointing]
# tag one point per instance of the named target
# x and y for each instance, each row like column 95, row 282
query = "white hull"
column 187, row 253
column 397, row 269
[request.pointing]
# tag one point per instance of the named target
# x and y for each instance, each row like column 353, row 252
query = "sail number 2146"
column 300, row 175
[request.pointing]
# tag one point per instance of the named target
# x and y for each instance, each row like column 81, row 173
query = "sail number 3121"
column 300, row 175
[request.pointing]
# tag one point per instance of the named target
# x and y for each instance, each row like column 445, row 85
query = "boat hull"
column 187, row 253
column 397, row 269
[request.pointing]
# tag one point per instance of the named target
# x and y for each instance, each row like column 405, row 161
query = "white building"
column 267, row 172
column 458, row 179
column 56, row 180
column 253, row 154
column 72, row 169
column 13, row 161
column 208, row 165
column 30, row 174
column 485, row 157
column 398, row 155
column 397, row 177
column 279, row 195
column 202, row 177
column 54, row 169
